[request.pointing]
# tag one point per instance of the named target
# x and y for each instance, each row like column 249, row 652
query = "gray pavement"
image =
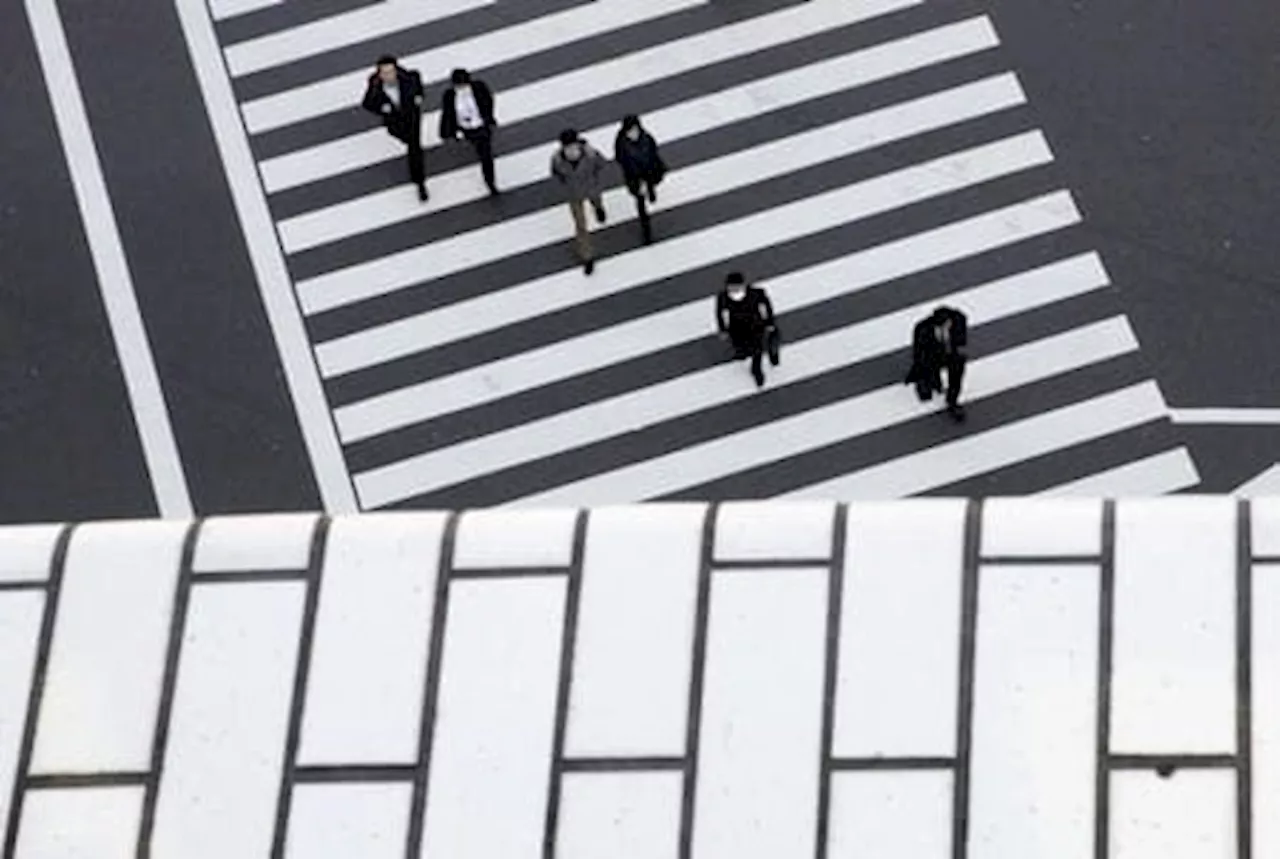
column 1160, row 126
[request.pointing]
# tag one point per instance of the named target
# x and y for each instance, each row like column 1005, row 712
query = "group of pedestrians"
column 395, row 95
column 743, row 312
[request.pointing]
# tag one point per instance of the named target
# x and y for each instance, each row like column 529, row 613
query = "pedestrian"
column 579, row 168
column 395, row 95
column 938, row 343
column 637, row 154
column 466, row 111
column 744, row 315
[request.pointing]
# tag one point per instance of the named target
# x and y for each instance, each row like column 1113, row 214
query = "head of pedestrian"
column 387, row 68
column 571, row 144
column 735, row 284
column 461, row 78
column 631, row 127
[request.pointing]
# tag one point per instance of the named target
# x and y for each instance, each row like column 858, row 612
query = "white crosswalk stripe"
column 865, row 162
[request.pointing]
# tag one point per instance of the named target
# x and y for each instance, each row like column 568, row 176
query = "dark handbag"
column 659, row 171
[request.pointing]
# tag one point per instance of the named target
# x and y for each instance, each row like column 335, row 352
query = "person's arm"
column 448, row 115
column 372, row 102
column 765, row 307
column 722, row 313
column 416, row 90
column 485, row 101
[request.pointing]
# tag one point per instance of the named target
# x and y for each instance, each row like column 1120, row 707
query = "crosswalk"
column 863, row 161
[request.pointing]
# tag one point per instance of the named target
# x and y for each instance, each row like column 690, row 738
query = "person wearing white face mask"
column 744, row 315
column 637, row 154
column 579, row 169
column 466, row 111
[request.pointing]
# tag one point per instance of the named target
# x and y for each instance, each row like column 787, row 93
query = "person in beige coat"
column 580, row 170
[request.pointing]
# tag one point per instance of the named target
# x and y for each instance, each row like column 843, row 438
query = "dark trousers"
column 749, row 345
column 410, row 134
column 481, row 139
column 930, row 381
column 955, row 378
column 639, row 188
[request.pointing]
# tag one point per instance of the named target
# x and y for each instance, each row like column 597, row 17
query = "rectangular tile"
column 756, row 531
column 20, row 617
column 1013, row 527
column 759, row 739
column 369, row 821
column 80, row 823
column 493, row 539
column 900, row 617
column 224, row 9
column 1265, row 513
column 111, row 635
column 26, row 552
column 633, row 815
column 1173, row 676
column 1266, row 710
column 373, row 623
column 1035, row 718
column 497, row 705
column 634, row 648
column 237, row 544
column 1188, row 816
column 891, row 814
column 226, row 744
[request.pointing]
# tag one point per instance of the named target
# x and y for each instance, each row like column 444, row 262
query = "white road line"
column 884, row 193
column 368, row 348
column 343, row 92
column 1229, row 417
column 706, row 389
column 587, row 353
column 364, row 24
column 559, row 93
column 838, row 422
column 300, row 371
column 1007, row 445
column 1266, row 483
column 224, row 9
column 1160, row 474
column 670, row 125
column 115, row 281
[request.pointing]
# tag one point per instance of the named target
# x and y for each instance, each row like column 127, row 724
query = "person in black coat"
column 466, row 111
column 938, row 342
column 744, row 315
column 395, row 95
column 637, row 154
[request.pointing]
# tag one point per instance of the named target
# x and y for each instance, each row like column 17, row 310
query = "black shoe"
column 758, row 375
column 653, row 194
column 956, row 412
column 422, row 193
column 601, row 215
column 493, row 190
column 589, row 266
column 647, row 232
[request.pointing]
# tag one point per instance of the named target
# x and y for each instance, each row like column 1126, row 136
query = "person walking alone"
column 579, row 169
column 938, row 343
column 637, row 154
column 394, row 94
column 744, row 315
column 466, row 111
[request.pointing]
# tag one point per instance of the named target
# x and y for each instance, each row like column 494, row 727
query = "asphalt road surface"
column 1160, row 125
